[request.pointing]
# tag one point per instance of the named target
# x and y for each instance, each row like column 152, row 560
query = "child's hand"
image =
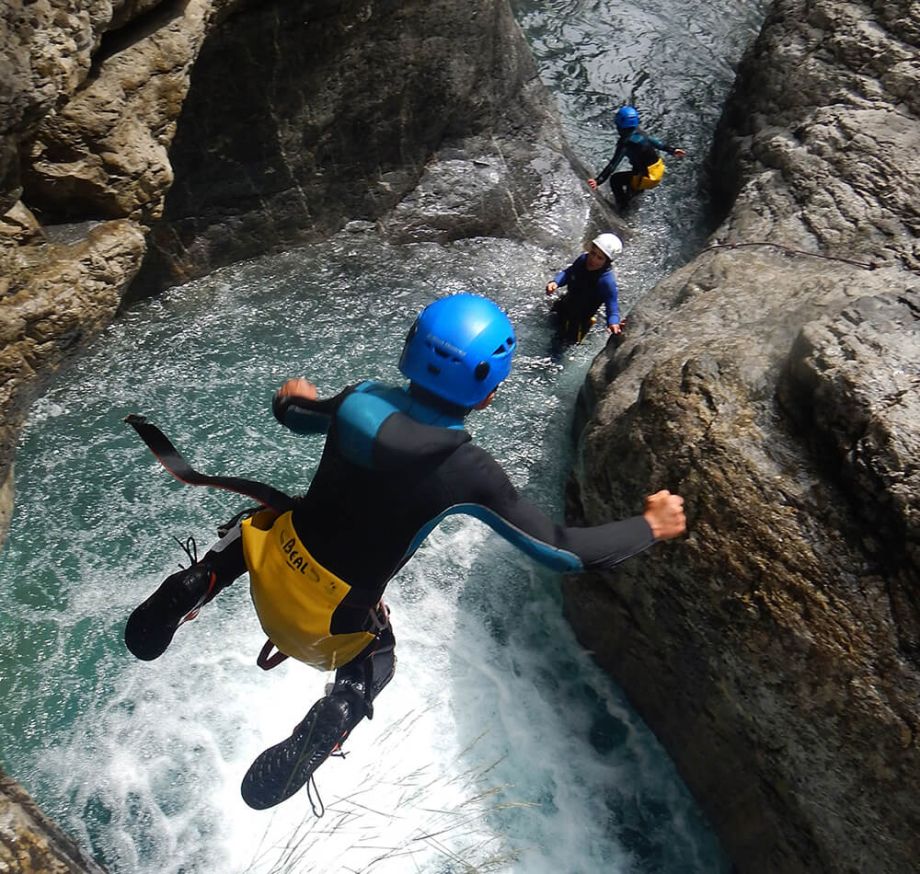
column 298, row 387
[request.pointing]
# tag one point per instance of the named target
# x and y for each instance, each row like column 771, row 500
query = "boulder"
column 427, row 119
column 773, row 382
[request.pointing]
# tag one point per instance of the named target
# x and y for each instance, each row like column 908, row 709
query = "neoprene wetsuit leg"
column 621, row 186
column 283, row 769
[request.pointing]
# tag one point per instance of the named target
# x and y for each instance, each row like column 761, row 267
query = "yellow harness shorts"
column 294, row 596
column 653, row 175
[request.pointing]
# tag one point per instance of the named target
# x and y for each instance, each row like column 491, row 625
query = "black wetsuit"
column 369, row 507
column 394, row 464
column 587, row 291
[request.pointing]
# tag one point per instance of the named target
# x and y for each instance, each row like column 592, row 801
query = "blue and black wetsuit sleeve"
column 573, row 274
column 563, row 276
column 610, row 294
column 662, row 146
column 305, row 416
column 525, row 526
column 614, row 161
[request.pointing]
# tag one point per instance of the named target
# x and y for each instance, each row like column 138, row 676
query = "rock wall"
column 30, row 843
column 90, row 93
column 773, row 381
column 428, row 120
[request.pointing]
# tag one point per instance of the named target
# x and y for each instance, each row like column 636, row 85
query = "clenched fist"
column 664, row 513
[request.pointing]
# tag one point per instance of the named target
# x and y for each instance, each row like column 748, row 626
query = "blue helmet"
column 459, row 349
column 627, row 118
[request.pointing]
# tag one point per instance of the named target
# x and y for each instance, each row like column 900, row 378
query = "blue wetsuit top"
column 394, row 464
column 588, row 289
column 641, row 150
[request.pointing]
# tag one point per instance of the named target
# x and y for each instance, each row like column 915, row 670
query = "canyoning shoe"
column 282, row 770
column 151, row 627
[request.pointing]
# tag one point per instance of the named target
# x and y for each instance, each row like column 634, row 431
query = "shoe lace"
column 319, row 809
column 312, row 789
column 190, row 548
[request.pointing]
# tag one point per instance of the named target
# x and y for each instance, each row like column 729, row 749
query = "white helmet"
column 609, row 244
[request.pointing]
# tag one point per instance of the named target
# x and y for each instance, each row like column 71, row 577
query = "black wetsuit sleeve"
column 304, row 416
column 527, row 527
column 612, row 164
column 663, row 146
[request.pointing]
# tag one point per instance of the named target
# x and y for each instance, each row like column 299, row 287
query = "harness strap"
column 167, row 454
column 380, row 622
column 268, row 660
column 267, row 496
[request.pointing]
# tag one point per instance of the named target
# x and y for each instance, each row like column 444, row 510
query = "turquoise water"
column 499, row 745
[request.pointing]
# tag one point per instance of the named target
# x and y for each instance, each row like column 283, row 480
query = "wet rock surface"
column 425, row 119
column 773, row 381
column 30, row 843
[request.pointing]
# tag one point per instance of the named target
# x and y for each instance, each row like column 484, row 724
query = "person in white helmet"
column 590, row 282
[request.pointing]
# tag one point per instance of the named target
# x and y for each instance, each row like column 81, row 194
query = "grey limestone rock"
column 773, row 382
column 425, row 118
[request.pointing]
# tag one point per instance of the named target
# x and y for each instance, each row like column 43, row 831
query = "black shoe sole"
column 145, row 639
column 282, row 770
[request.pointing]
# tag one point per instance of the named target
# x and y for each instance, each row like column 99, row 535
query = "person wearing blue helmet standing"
column 397, row 460
column 641, row 150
